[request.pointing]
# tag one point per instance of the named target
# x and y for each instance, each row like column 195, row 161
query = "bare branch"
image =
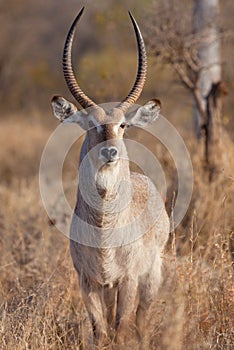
column 185, row 79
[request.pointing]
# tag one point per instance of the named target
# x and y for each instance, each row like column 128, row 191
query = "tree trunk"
column 210, row 89
column 214, row 132
column 206, row 28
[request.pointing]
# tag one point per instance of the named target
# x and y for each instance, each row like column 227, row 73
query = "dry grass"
column 40, row 303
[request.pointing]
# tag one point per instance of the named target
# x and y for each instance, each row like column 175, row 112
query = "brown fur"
column 119, row 273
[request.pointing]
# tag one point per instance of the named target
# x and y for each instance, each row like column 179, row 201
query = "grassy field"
column 40, row 302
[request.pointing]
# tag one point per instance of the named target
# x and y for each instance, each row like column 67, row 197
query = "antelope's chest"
column 109, row 271
column 101, row 265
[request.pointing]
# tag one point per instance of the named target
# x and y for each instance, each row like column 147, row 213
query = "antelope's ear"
column 144, row 115
column 67, row 112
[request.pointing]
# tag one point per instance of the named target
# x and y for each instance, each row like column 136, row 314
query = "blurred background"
column 104, row 55
column 40, row 303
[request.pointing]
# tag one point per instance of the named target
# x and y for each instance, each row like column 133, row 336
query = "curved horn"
column 142, row 69
column 69, row 76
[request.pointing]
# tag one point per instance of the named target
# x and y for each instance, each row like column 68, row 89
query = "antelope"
column 119, row 226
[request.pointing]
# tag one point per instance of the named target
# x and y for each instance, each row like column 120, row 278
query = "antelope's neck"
column 104, row 195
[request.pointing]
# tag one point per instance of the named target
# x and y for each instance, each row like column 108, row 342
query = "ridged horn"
column 141, row 72
column 69, row 76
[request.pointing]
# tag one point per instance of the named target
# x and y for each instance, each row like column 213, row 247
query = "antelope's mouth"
column 111, row 161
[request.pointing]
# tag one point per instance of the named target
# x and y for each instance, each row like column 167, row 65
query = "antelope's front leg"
column 126, row 309
column 93, row 300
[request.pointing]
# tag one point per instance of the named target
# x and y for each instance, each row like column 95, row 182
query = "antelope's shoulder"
column 149, row 206
column 143, row 189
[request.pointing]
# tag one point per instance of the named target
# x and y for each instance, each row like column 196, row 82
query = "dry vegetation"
column 40, row 302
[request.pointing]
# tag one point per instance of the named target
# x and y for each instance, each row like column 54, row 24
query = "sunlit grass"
column 40, row 301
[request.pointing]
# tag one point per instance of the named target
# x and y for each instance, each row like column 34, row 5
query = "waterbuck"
column 120, row 225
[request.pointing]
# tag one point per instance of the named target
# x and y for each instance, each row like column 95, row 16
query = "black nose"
column 109, row 153
column 113, row 152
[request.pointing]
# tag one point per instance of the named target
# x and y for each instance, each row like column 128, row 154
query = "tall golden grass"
column 40, row 301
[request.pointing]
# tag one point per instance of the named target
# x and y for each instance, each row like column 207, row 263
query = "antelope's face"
column 105, row 129
column 105, row 137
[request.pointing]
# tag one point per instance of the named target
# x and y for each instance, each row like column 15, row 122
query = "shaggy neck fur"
column 105, row 193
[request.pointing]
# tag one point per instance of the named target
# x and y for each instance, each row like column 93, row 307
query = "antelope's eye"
column 91, row 124
column 123, row 125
